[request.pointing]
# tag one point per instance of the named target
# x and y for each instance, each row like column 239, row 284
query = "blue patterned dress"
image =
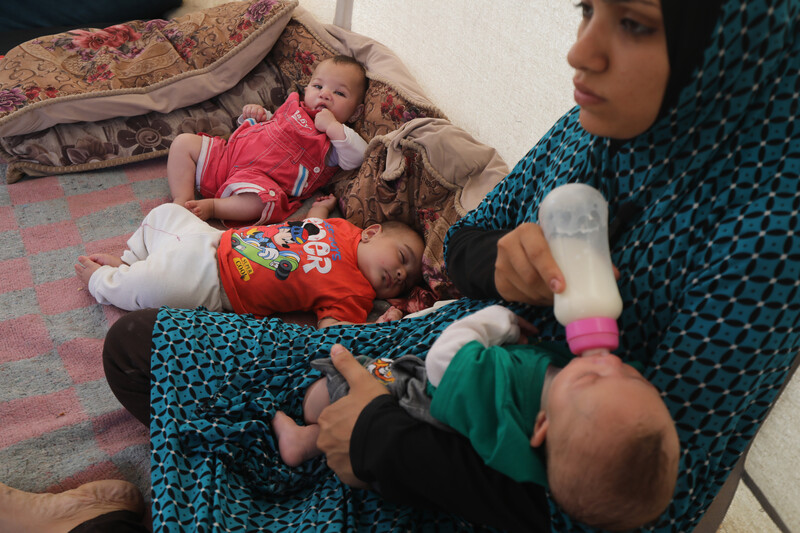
column 710, row 265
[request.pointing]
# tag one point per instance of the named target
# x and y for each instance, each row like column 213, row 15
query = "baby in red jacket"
column 270, row 165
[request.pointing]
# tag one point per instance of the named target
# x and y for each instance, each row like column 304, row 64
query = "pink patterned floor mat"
column 61, row 425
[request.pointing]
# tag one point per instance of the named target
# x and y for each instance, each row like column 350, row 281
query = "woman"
column 686, row 124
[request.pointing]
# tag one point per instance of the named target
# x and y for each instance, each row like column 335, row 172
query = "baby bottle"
column 574, row 219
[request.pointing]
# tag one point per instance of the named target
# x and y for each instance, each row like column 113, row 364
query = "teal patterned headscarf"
column 707, row 203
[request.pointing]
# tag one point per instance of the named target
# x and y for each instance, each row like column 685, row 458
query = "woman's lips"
column 585, row 97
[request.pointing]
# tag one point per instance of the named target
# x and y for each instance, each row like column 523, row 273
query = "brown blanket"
column 427, row 173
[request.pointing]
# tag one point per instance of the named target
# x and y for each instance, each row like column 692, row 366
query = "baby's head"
column 390, row 257
column 338, row 84
column 612, row 448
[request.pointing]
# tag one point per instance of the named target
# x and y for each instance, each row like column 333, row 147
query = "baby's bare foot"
column 59, row 513
column 202, row 209
column 85, row 267
column 296, row 444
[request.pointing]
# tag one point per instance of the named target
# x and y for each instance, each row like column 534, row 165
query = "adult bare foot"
column 296, row 444
column 24, row 512
column 202, row 209
column 85, row 267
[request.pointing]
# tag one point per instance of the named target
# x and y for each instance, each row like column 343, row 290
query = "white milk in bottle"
column 574, row 220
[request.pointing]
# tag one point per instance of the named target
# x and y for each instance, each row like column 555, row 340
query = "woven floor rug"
column 60, row 424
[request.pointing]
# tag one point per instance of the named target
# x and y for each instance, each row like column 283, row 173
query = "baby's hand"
column 256, row 112
column 526, row 329
column 327, row 201
column 324, row 120
column 393, row 313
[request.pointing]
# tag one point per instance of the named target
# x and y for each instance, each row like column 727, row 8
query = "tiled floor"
column 768, row 498
column 746, row 515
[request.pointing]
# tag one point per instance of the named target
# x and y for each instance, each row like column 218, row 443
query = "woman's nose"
column 588, row 52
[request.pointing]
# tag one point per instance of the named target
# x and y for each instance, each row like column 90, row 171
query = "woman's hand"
column 336, row 422
column 525, row 270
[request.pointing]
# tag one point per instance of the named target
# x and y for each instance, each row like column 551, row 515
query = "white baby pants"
column 171, row 260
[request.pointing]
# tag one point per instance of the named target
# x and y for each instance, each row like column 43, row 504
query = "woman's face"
column 621, row 66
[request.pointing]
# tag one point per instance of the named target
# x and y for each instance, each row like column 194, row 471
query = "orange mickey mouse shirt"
column 302, row 265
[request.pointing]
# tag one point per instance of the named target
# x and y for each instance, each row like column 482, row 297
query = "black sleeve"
column 471, row 254
column 413, row 463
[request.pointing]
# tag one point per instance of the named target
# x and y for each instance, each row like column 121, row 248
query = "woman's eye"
column 636, row 28
column 585, row 9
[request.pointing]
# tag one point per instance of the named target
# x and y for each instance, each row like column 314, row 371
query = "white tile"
column 745, row 515
column 775, row 456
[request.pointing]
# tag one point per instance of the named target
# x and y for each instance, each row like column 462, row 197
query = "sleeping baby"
column 324, row 265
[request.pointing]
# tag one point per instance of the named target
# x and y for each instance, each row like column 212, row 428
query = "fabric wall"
column 497, row 69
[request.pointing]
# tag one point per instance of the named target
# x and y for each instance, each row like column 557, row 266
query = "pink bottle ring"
column 596, row 332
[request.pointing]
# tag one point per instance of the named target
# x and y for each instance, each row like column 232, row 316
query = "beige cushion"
column 135, row 68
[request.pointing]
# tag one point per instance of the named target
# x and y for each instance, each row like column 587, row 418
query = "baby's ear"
column 540, row 429
column 370, row 232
